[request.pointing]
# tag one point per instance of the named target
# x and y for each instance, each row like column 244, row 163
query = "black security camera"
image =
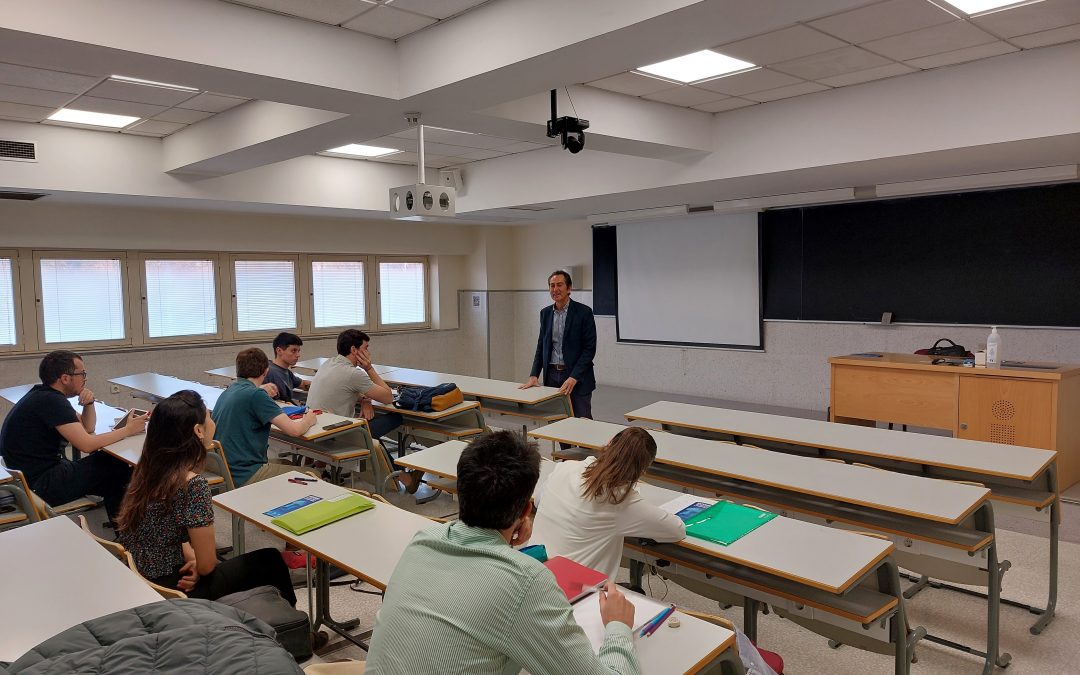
column 570, row 130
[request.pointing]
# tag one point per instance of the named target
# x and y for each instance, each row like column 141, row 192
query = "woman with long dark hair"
column 587, row 507
column 167, row 519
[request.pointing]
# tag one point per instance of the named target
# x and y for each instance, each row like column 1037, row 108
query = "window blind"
column 7, row 303
column 180, row 298
column 265, row 294
column 338, row 293
column 401, row 293
column 82, row 300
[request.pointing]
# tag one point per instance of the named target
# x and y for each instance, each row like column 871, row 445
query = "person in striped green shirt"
column 462, row 599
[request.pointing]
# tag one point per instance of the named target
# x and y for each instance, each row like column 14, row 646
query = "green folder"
column 323, row 512
column 724, row 523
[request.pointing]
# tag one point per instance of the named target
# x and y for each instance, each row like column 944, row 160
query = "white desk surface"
column 14, row 394
column 164, row 386
column 316, row 363
column 992, row 459
column 474, row 386
column 367, row 545
column 815, row 555
column 229, row 373
column 41, row 596
column 325, row 419
column 686, row 649
column 128, row 449
column 926, row 498
column 4, row 477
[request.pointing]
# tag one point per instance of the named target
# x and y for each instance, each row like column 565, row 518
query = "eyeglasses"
column 81, row 373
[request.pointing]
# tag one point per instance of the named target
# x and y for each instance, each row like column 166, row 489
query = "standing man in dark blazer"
column 566, row 346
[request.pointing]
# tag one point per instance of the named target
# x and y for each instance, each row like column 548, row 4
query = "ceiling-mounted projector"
column 421, row 201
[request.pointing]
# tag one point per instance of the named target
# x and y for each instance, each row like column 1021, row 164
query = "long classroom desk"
column 36, row 584
column 838, row 583
column 498, row 398
column 940, row 527
column 154, row 387
column 1022, row 481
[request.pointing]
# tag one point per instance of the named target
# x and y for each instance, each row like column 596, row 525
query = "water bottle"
column 993, row 349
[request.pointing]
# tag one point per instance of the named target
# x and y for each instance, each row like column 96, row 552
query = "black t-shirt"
column 29, row 440
column 284, row 379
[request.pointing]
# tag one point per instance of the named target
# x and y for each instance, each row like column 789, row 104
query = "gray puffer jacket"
column 175, row 636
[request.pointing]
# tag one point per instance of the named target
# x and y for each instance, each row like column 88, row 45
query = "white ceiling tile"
column 39, row 78
column 481, row 141
column 443, row 149
column 947, row 37
column 149, row 134
column 685, row 96
column 633, row 84
column 781, row 45
column 1031, row 18
column 214, row 103
column 139, row 93
column 744, row 83
column 725, row 104
column 787, row 92
column 521, row 146
column 324, row 11
column 448, row 136
column 858, row 77
column 480, row 154
column 962, row 55
column 407, row 143
column 440, row 9
column 835, row 62
column 387, row 22
column 24, row 113
column 883, row 19
column 182, row 116
column 39, row 97
column 156, row 127
column 108, row 105
column 1048, row 37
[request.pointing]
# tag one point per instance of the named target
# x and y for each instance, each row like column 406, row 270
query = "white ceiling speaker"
column 451, row 178
column 421, row 201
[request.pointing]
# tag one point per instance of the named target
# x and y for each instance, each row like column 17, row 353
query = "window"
column 402, row 298
column 265, row 293
column 180, row 298
column 337, row 289
column 82, row 300
column 8, row 336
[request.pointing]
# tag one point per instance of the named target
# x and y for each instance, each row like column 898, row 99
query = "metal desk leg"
column 1051, row 601
column 322, row 609
column 750, row 617
column 239, row 540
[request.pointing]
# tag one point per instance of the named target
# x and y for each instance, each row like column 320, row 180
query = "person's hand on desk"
column 188, row 577
column 533, row 382
column 367, row 410
column 614, row 606
column 137, row 424
column 308, row 420
column 269, row 388
column 567, row 386
column 86, row 397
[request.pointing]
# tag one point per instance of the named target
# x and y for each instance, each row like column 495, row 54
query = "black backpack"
column 429, row 399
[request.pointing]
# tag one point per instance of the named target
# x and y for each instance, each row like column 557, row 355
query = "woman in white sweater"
column 586, row 508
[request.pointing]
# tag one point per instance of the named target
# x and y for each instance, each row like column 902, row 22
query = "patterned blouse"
column 156, row 542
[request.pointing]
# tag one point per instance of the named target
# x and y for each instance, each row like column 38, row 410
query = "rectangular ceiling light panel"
column 151, row 83
column 357, row 150
column 93, row 119
column 703, row 65
column 972, row 7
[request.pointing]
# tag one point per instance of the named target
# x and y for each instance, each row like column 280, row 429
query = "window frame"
column 390, row 327
column 125, row 290
column 16, row 301
column 143, row 309
column 309, row 292
column 234, row 323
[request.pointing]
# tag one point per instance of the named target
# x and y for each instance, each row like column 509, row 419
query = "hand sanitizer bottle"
column 993, row 349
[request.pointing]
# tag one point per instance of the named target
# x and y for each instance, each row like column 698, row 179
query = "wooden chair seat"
column 12, row 518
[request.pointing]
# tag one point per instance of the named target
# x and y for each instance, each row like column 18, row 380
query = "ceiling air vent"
column 22, row 196
column 19, row 151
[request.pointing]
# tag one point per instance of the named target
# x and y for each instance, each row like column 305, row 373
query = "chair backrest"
column 38, row 505
column 123, row 555
column 219, row 464
column 369, row 495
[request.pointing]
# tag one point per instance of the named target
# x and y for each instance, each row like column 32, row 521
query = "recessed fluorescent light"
column 94, row 119
column 972, row 7
column 456, row 131
column 357, row 150
column 151, row 83
column 702, row 65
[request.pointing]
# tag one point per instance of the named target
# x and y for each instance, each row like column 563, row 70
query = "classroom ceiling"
column 269, row 84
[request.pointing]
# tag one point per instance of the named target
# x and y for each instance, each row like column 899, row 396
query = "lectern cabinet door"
column 1006, row 410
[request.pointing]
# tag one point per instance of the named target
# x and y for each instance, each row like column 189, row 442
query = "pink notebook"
column 575, row 580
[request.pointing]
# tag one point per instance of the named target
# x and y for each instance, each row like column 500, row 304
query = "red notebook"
column 575, row 580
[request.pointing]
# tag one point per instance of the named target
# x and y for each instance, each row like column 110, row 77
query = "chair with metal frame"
column 43, row 510
column 123, row 555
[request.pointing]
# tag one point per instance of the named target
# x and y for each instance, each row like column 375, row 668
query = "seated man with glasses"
column 36, row 430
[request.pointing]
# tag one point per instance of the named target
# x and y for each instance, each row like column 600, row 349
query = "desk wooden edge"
column 774, row 591
column 405, row 463
column 539, row 433
column 713, row 655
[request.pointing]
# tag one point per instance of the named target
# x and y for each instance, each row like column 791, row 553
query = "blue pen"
column 660, row 621
column 658, row 617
